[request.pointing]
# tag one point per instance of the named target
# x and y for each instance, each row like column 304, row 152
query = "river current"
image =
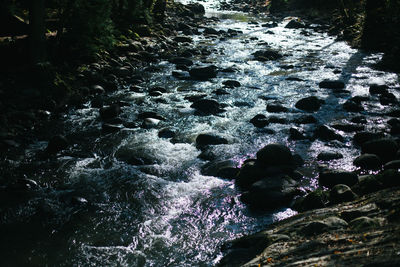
column 166, row 213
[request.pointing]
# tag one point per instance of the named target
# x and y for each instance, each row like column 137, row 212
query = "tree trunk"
column 37, row 38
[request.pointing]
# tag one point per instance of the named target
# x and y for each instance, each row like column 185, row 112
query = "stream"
column 165, row 212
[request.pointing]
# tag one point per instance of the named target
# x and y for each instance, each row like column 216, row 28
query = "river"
column 166, row 213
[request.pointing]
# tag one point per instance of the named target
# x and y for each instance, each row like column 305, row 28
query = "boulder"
column 325, row 133
column 384, row 148
column 259, row 121
column 295, row 24
column 378, row 89
column 313, row 200
column 296, row 134
column 207, row 107
column 110, row 112
column 266, row 55
column 181, row 61
column 332, row 84
column 368, row 162
column 183, row 39
column 306, row 119
column 363, row 223
column 276, row 108
column 330, row 178
column 310, row 104
column 327, row 156
column 203, row 73
column 363, row 137
column 166, row 133
column 225, row 169
column 57, row 143
column 341, row 193
column 271, row 193
column 394, row 164
column 351, row 106
column 275, row 155
column 231, row 83
column 204, row 140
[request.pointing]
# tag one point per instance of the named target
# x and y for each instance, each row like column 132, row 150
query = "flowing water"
column 166, row 213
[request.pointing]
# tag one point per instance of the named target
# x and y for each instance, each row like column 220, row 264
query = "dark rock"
column 384, row 148
column 111, row 128
column 310, row 104
column 166, row 133
column 320, row 226
column 203, row 73
column 225, row 169
column 183, row 39
column 325, row 133
column 207, row 107
column 274, row 119
column 327, row 156
column 276, row 108
column 367, row 184
column 110, row 112
column 387, row 99
column 313, row 200
column 231, row 83
column 268, row 54
column 359, row 119
column 204, row 140
column 150, row 114
column 341, row 193
column 155, row 93
column 259, row 121
column 149, row 123
column 250, row 173
column 97, row 90
column 363, row 137
column 378, row 89
column 389, row 178
column 132, row 157
column 57, row 143
column 368, row 162
column 196, row 8
column 275, row 154
column 352, row 106
column 220, row 92
column 210, row 31
column 271, row 193
column 306, row 119
column 332, row 84
column 394, row 164
column 181, row 61
column 295, row 24
column 330, row 178
column 296, row 134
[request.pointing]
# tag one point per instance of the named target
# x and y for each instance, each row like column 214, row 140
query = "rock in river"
column 207, row 107
column 275, row 154
column 204, row 140
column 330, row 178
column 332, row 84
column 203, row 73
column 310, row 104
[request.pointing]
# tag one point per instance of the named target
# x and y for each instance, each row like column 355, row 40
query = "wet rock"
column 351, row 106
column 389, row 178
column 231, row 83
column 296, row 134
column 203, row 73
column 183, row 39
column 341, row 193
column 325, row 133
column 110, row 112
column 150, row 114
column 387, row 99
column 348, row 127
column 111, row 128
column 394, row 164
column 250, row 173
column 327, row 156
column 181, row 75
column 368, row 162
column 259, row 121
column 57, row 143
column 132, row 157
column 279, row 120
column 310, row 104
column 155, row 93
column 149, row 123
column 207, row 107
column 276, row 108
column 196, row 8
column 295, row 24
column 204, row 140
column 359, row 119
column 270, row 24
column 332, row 84
column 79, row 201
column 211, row 31
column 363, row 223
column 384, row 148
column 313, row 200
column 363, row 137
column 181, row 61
column 378, row 89
column 367, row 184
column 275, row 154
column 330, row 178
column 194, row 98
column 271, row 193
column 220, row 92
column 225, row 169
column 166, row 133
column 266, row 55
column 97, row 90
column 306, row 119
